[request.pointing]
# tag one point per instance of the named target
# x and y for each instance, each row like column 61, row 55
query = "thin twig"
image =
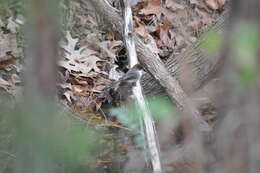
column 146, row 119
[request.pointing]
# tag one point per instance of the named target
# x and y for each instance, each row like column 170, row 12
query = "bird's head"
column 137, row 67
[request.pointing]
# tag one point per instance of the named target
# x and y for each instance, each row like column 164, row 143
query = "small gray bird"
column 122, row 89
column 130, row 78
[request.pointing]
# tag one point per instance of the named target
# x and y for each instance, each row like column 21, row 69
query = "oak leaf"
column 153, row 7
column 81, row 60
column 215, row 4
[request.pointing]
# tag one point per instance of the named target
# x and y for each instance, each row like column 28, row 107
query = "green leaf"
column 246, row 41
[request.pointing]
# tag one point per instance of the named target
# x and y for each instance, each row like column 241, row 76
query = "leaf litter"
column 90, row 58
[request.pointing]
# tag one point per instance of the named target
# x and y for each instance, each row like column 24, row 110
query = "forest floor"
column 92, row 57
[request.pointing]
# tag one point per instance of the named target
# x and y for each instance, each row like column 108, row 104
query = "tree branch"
column 155, row 67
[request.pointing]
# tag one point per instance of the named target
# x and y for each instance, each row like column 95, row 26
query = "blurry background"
column 57, row 57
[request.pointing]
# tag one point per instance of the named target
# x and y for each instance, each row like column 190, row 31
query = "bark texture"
column 202, row 67
column 154, row 65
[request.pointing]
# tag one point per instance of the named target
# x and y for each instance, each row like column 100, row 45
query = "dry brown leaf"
column 211, row 4
column 66, row 86
column 4, row 83
column 140, row 30
column 108, row 48
column 173, row 5
column 15, row 79
column 164, row 36
column 194, row 2
column 7, row 86
column 221, row 3
column 77, row 88
column 113, row 44
column 104, row 161
column 68, row 95
column 82, row 68
column 153, row 7
column 215, row 4
column 169, row 15
column 12, row 25
column 82, row 60
column 99, row 88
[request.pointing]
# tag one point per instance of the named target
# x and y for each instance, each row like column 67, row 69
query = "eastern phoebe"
column 124, row 86
column 122, row 89
column 131, row 77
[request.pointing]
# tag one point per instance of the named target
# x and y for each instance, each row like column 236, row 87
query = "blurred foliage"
column 43, row 134
column 21, row 5
column 159, row 107
column 18, row 5
column 212, row 43
column 6, row 132
column 246, row 41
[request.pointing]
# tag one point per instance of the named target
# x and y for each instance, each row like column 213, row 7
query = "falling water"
column 147, row 122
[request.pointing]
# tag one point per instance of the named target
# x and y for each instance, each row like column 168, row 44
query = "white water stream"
column 146, row 120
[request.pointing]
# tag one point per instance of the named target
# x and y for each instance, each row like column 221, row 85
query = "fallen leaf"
column 205, row 19
column 140, row 28
column 12, row 25
column 82, row 60
column 66, row 86
column 4, row 83
column 221, row 3
column 114, row 74
column 20, row 19
column 68, row 94
column 77, row 88
column 113, row 44
column 215, row 4
column 108, row 48
column 164, row 35
column 7, row 86
column 15, row 79
column 194, row 3
column 104, row 161
column 153, row 7
column 173, row 5
column 211, row 4
column 169, row 15
column 99, row 88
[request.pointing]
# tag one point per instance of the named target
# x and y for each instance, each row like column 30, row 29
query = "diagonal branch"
column 146, row 118
column 202, row 67
column 154, row 66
